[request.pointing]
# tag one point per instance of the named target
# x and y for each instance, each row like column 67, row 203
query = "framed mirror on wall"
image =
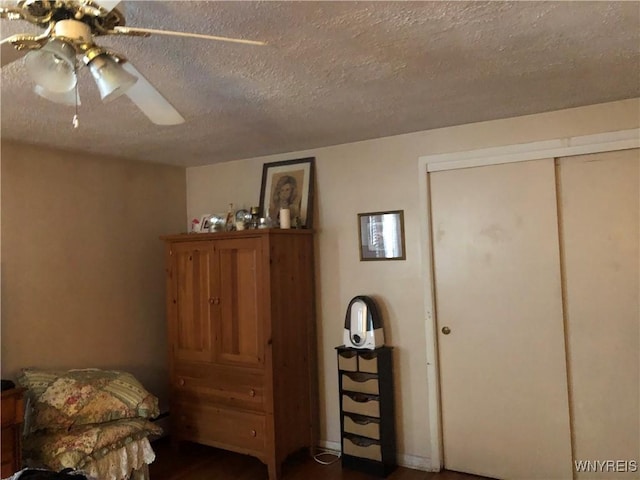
column 381, row 235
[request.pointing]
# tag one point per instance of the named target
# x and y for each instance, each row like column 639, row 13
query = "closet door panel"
column 498, row 289
column 600, row 210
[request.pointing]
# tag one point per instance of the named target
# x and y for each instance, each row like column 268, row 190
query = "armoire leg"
column 274, row 470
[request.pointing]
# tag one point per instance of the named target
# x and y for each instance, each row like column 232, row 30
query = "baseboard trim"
column 331, row 447
column 416, row 462
column 409, row 461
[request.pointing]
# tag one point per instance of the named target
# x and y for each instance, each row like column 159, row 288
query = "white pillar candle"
column 285, row 218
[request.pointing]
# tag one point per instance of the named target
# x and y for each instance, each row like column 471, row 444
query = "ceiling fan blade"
column 8, row 52
column 150, row 31
column 150, row 101
column 108, row 4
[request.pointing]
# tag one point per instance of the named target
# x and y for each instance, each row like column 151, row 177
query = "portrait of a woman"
column 288, row 185
column 285, row 195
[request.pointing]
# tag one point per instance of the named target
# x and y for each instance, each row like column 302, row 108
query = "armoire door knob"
column 446, row 330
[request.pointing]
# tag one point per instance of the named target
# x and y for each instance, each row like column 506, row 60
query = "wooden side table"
column 12, row 416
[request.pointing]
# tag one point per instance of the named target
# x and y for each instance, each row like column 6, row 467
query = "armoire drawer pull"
column 253, row 433
column 252, row 393
column 181, row 382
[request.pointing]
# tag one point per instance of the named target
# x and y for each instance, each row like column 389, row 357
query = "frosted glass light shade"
column 66, row 98
column 111, row 78
column 53, row 66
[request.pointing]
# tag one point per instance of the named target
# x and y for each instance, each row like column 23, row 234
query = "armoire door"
column 190, row 283
column 238, row 302
column 500, row 325
column 600, row 214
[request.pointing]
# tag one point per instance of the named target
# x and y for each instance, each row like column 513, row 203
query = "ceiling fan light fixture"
column 111, row 78
column 53, row 66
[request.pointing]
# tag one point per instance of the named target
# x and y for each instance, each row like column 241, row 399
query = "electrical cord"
column 322, row 453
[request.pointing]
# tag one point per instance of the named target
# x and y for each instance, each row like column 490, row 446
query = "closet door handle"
column 446, row 330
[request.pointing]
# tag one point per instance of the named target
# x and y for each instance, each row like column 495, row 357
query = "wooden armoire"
column 241, row 332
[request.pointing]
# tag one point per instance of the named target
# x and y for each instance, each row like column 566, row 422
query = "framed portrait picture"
column 288, row 184
column 381, row 235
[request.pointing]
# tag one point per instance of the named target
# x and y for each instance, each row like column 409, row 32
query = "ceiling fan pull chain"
column 75, row 122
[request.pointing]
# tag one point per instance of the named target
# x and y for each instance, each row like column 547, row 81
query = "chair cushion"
column 63, row 399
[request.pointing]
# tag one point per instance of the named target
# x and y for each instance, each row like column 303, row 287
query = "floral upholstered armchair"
column 95, row 421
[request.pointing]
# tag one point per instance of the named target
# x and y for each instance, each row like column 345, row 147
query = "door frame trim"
column 560, row 147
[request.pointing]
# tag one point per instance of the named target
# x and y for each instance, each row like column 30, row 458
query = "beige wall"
column 378, row 175
column 82, row 268
column 82, row 265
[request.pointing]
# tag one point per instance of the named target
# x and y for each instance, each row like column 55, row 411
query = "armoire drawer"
column 357, row 382
column 361, row 404
column 220, row 427
column 364, row 426
column 224, row 386
column 362, row 448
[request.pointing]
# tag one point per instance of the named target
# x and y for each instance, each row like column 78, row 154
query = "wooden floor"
column 198, row 462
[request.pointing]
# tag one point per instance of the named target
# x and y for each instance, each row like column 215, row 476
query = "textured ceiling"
column 335, row 72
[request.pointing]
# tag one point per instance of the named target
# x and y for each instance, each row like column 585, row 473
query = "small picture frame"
column 381, row 235
column 288, row 184
column 205, row 223
column 197, row 224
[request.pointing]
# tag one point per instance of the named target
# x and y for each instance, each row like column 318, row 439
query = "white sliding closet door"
column 600, row 210
column 498, row 289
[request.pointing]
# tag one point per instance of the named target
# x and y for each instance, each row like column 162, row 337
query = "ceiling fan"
column 67, row 44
